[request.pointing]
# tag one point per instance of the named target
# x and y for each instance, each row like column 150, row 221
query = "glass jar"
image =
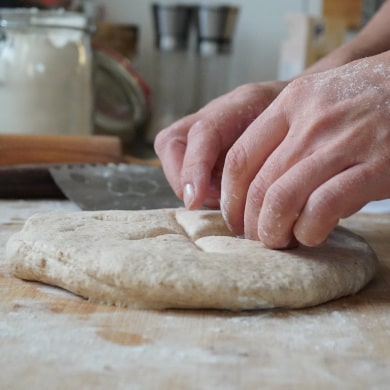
column 45, row 72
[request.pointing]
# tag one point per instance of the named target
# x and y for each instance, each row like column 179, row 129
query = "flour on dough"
column 174, row 258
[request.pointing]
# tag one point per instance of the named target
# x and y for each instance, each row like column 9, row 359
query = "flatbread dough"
column 173, row 258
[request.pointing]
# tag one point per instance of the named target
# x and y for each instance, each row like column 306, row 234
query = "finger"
column 185, row 150
column 339, row 197
column 245, row 159
column 170, row 145
column 285, row 197
column 204, row 146
column 221, row 123
column 285, row 156
column 214, row 192
column 302, row 162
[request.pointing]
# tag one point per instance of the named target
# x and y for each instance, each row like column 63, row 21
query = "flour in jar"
column 45, row 73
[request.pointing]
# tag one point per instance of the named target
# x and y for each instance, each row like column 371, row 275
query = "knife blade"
column 115, row 186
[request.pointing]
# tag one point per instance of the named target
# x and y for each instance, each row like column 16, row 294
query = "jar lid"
column 34, row 17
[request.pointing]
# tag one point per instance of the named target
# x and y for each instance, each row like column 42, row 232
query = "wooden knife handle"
column 28, row 182
column 46, row 149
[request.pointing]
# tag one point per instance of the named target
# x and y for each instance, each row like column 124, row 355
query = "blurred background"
column 182, row 54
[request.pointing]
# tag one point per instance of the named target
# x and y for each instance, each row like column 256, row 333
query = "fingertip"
column 235, row 225
column 311, row 233
column 188, row 195
column 193, row 196
column 276, row 241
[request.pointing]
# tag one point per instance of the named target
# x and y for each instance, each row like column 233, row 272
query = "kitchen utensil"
column 115, row 186
column 25, row 161
column 30, row 181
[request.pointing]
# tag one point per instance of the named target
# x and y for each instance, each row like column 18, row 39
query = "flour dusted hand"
column 193, row 149
column 314, row 149
column 182, row 259
column 319, row 153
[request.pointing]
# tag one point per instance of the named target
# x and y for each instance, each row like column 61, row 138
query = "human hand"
column 193, row 149
column 318, row 153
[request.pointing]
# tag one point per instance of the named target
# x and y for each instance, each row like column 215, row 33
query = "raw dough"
column 173, row 258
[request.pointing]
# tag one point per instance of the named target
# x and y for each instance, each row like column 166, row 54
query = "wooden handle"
column 28, row 182
column 135, row 160
column 46, row 149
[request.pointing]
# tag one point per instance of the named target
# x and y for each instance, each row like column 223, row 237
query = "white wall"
column 260, row 30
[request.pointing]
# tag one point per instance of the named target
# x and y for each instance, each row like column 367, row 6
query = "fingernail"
column 188, row 195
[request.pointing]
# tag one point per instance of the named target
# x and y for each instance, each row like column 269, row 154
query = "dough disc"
column 173, row 258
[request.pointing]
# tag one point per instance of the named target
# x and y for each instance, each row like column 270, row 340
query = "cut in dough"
column 173, row 258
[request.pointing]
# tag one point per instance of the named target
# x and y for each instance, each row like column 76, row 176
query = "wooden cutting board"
column 52, row 339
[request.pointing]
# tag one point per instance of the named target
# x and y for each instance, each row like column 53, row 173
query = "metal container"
column 172, row 26
column 173, row 66
column 215, row 26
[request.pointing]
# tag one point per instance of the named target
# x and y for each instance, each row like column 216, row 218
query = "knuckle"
column 245, row 90
column 296, row 91
column 200, row 168
column 297, row 86
column 323, row 205
column 320, row 214
column 161, row 140
column 278, row 197
column 199, row 127
column 236, row 162
column 205, row 128
column 275, row 228
column 174, row 135
column 167, row 140
column 257, row 190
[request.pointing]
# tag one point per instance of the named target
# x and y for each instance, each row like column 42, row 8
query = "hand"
column 193, row 149
column 318, row 153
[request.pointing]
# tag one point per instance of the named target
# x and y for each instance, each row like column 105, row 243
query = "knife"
column 89, row 170
column 115, row 186
column 25, row 159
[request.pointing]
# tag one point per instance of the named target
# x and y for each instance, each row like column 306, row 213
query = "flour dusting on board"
column 49, row 337
column 66, row 338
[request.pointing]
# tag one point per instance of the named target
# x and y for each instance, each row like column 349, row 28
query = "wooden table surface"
column 51, row 339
